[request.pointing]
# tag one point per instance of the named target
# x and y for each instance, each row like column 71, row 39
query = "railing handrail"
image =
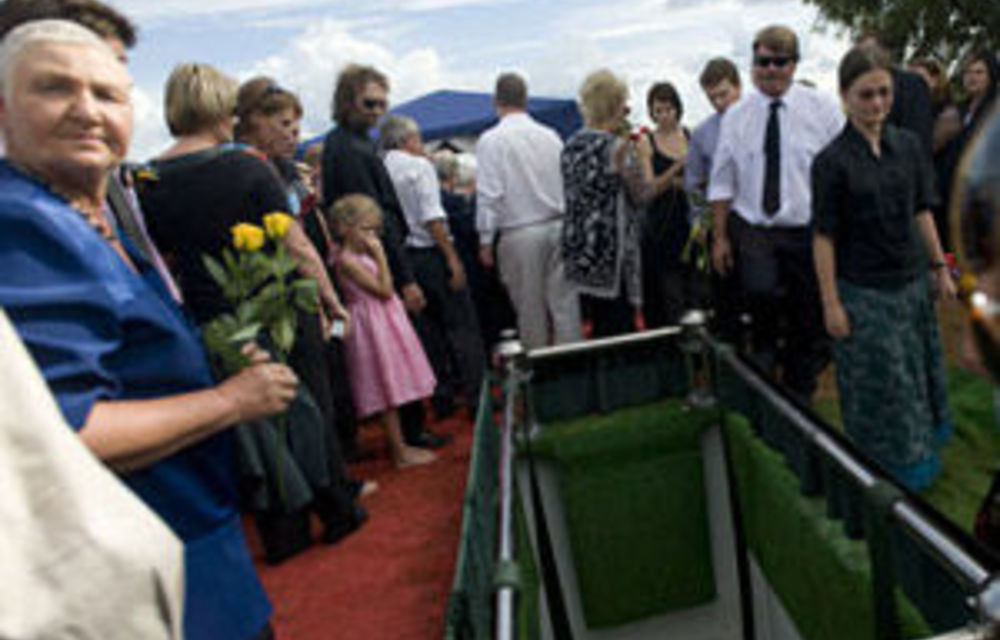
column 960, row 563
column 600, row 344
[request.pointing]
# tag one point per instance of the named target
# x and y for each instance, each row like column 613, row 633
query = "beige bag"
column 80, row 555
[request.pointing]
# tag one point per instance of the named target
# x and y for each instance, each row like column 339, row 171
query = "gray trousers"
column 531, row 267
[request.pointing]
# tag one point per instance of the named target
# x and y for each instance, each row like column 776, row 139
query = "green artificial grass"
column 969, row 459
column 821, row 576
column 632, row 488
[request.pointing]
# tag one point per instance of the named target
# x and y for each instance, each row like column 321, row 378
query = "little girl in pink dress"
column 385, row 360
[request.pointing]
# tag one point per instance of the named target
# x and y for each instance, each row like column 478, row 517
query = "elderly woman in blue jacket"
column 126, row 368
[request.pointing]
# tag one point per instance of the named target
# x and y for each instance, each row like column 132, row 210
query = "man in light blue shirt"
column 720, row 80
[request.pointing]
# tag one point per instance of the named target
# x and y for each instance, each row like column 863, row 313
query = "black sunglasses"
column 778, row 62
column 374, row 103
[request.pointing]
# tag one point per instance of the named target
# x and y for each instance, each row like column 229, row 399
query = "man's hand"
column 722, row 255
column 486, row 256
column 458, row 279
column 413, row 298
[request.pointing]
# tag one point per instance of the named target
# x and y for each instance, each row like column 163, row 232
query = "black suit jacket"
column 351, row 165
column 911, row 107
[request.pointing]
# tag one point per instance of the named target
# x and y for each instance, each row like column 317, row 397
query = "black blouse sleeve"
column 266, row 192
column 828, row 185
column 925, row 177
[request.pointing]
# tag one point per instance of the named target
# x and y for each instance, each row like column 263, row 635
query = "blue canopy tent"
column 451, row 114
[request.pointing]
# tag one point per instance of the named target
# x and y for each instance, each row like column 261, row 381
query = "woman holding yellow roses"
column 201, row 188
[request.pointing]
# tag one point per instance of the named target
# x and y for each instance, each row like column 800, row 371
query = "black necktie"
column 772, row 167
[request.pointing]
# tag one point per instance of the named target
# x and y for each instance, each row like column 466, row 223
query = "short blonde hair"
column 346, row 211
column 602, row 96
column 37, row 32
column 198, row 97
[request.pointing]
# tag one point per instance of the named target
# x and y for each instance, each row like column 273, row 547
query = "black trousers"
column 776, row 279
column 609, row 316
column 448, row 328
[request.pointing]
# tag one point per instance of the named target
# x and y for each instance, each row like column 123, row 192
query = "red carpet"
column 391, row 579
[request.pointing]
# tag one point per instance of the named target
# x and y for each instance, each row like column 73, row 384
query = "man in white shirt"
column 761, row 205
column 519, row 193
column 447, row 325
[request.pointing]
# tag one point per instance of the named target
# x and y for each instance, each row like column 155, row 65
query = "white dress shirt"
column 419, row 194
column 518, row 180
column 808, row 121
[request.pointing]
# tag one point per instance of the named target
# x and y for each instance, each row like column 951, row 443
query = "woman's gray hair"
column 42, row 32
column 396, row 130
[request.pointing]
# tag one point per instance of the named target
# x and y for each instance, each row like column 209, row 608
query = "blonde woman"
column 204, row 185
column 607, row 179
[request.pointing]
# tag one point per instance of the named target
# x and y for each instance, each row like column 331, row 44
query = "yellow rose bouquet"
column 260, row 280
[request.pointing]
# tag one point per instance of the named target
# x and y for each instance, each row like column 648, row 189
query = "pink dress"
column 385, row 359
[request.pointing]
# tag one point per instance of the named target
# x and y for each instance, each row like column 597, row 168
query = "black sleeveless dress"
column 665, row 231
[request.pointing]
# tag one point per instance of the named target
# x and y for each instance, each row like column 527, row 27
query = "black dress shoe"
column 283, row 535
column 335, row 532
column 430, row 440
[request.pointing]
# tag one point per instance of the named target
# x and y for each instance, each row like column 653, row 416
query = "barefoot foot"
column 413, row 457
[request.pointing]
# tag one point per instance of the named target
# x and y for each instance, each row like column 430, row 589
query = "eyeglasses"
column 778, row 62
column 374, row 103
column 881, row 92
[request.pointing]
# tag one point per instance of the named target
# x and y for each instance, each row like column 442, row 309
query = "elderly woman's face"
column 67, row 109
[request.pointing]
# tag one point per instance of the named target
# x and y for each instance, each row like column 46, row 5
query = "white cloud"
column 643, row 40
column 168, row 10
column 150, row 135
column 308, row 66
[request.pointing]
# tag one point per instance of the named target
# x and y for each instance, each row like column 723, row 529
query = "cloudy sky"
column 425, row 45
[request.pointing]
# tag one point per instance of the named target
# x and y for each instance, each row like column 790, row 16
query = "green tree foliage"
column 946, row 28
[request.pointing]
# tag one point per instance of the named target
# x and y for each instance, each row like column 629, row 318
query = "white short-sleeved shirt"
column 809, row 120
column 419, row 193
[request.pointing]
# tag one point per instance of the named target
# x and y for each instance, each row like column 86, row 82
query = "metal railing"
column 978, row 577
column 963, row 565
column 511, row 356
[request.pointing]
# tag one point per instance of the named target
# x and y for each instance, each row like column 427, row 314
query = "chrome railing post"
column 512, row 361
column 695, row 350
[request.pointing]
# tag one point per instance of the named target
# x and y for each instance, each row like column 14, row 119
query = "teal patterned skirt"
column 891, row 378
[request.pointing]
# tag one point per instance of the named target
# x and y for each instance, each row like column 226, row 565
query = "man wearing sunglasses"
column 760, row 196
column 351, row 164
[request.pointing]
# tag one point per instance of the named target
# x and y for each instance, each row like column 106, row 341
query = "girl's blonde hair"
column 346, row 212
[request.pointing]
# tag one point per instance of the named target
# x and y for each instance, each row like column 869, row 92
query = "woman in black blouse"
column 204, row 185
column 875, row 243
